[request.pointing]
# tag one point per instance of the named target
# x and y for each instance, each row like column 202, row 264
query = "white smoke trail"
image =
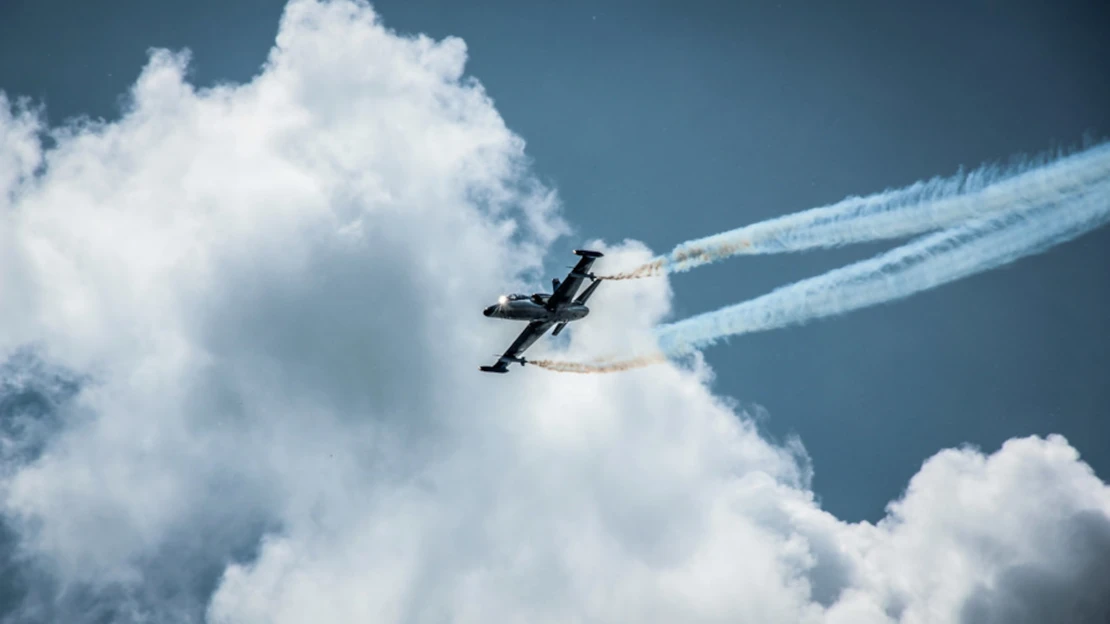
column 917, row 209
column 930, row 261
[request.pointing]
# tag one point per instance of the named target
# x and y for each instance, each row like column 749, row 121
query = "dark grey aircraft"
column 542, row 310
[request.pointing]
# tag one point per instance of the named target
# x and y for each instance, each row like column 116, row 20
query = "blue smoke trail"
column 980, row 245
column 1030, row 226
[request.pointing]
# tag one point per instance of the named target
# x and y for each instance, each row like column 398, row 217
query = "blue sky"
column 659, row 122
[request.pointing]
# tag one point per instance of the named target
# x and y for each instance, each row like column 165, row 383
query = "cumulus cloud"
column 251, row 316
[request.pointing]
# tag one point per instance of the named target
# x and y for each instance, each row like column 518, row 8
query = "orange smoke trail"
column 651, row 269
column 693, row 255
column 599, row 366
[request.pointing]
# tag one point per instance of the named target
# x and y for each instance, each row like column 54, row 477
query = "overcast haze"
column 241, row 325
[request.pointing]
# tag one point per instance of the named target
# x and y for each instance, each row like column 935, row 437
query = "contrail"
column 930, row 261
column 922, row 207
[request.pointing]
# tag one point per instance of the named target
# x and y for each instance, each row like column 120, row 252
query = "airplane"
column 542, row 311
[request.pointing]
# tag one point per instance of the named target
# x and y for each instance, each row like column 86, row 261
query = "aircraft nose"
column 488, row 311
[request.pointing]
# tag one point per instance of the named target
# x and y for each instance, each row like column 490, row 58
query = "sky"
column 233, row 350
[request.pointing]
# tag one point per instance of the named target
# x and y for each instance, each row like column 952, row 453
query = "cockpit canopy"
column 538, row 298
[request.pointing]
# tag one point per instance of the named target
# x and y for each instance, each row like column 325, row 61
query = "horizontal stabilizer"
column 499, row 367
column 586, row 253
column 559, row 328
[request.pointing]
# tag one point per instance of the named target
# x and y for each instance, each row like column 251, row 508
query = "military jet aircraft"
column 542, row 310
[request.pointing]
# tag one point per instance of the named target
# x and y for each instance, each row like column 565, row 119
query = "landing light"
column 502, row 300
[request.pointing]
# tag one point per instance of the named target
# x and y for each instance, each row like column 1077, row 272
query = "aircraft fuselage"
column 528, row 310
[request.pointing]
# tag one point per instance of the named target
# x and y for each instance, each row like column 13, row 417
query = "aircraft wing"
column 569, row 287
column 531, row 334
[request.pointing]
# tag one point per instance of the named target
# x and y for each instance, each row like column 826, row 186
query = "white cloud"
column 275, row 292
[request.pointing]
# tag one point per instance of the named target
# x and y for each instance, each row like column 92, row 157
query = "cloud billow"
column 271, row 294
